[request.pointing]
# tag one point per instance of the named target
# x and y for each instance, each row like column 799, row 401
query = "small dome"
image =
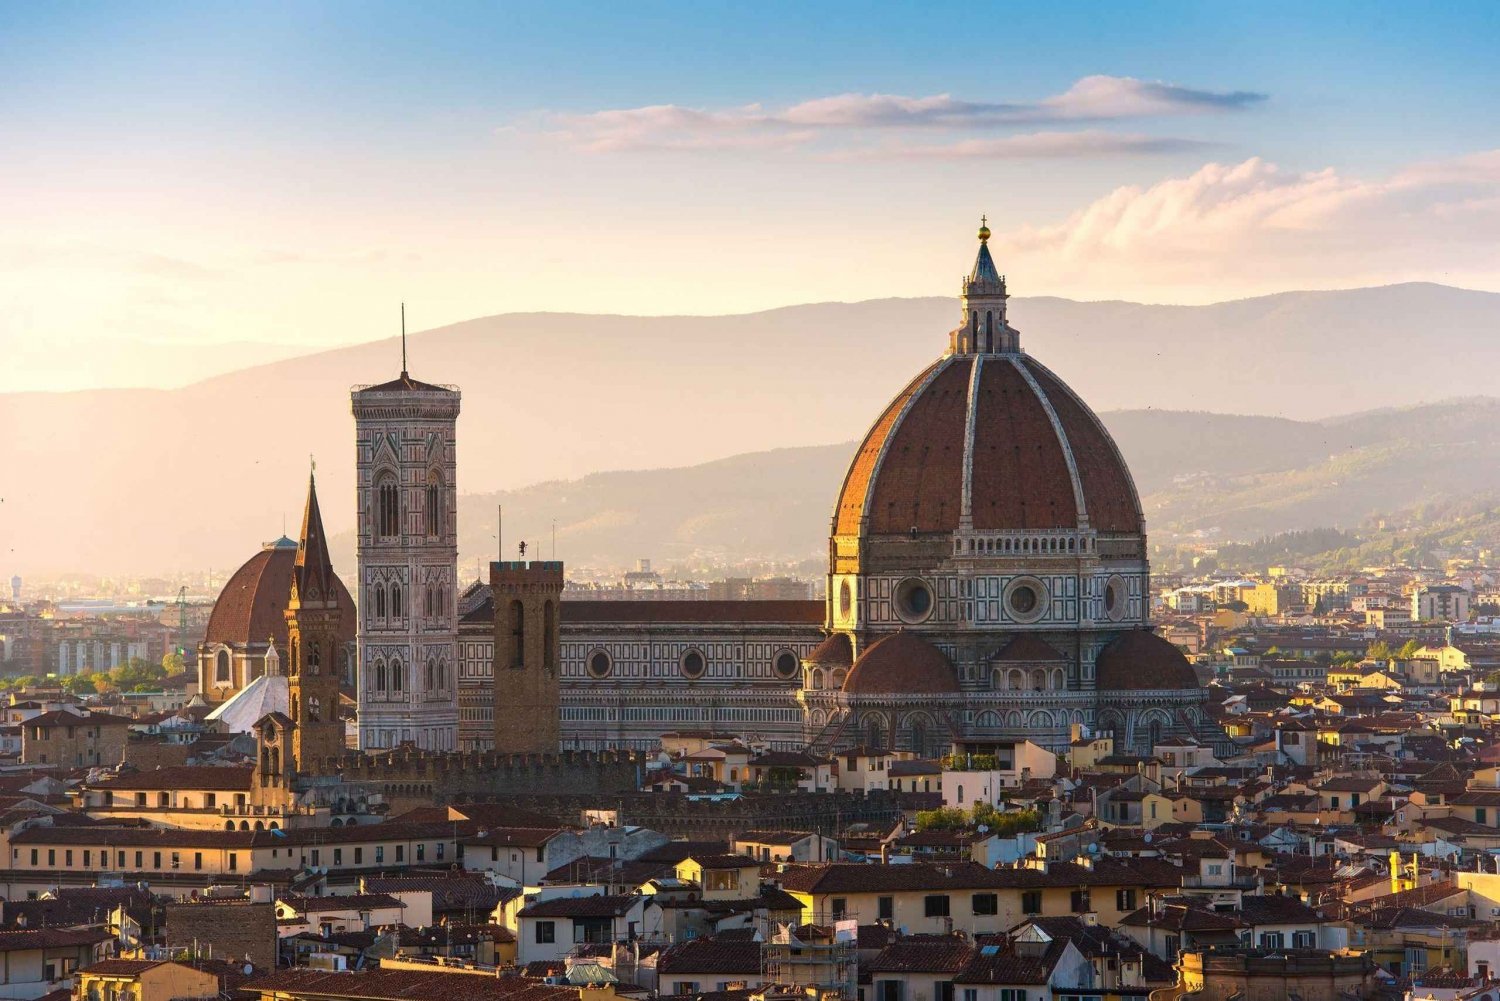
column 1140, row 660
column 835, row 651
column 902, row 664
column 252, row 606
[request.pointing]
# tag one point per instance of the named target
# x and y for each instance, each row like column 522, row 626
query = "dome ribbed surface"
column 1036, row 452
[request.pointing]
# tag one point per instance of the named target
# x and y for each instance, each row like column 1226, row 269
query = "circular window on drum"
column 600, row 665
column 913, row 600
column 786, row 665
column 846, row 598
column 1114, row 598
column 693, row 664
column 1026, row 599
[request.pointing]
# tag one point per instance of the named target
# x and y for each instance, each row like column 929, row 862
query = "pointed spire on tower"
column 984, row 264
column 313, row 572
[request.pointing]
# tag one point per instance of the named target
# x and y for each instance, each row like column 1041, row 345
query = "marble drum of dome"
column 987, row 548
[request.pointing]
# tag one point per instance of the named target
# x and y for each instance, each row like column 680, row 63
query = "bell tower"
column 313, row 616
column 406, row 458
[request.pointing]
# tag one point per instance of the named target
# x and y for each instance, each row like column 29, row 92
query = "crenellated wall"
column 408, row 775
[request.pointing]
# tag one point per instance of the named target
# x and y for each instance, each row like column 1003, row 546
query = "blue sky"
column 201, row 174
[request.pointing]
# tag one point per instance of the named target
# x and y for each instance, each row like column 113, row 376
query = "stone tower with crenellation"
column 528, row 654
column 406, row 449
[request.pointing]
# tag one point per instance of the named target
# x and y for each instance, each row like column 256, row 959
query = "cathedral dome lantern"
column 984, row 328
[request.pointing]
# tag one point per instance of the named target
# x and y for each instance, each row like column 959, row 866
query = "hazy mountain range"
column 155, row 480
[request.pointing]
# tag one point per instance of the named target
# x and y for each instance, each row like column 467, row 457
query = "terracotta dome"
column 1038, row 457
column 252, row 606
column 835, row 651
column 1140, row 660
column 902, row 664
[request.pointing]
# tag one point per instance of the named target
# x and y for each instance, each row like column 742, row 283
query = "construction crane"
column 182, row 623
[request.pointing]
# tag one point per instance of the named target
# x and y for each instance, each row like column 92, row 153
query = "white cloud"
column 675, row 127
column 1115, row 97
column 1047, row 145
column 1257, row 227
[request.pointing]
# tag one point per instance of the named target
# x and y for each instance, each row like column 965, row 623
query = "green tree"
column 171, row 662
column 79, row 684
column 136, row 672
column 1379, row 650
column 944, row 818
column 1408, row 650
column 27, row 681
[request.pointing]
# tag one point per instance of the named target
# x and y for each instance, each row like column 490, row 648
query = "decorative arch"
column 873, row 726
column 1112, row 722
column 1038, row 680
column 815, row 679
column 817, row 717
column 223, row 671
column 1016, row 680
column 1151, row 726
column 1059, row 679
column 1039, row 718
column 836, row 680
column 917, row 727
column 987, row 719
column 1013, row 718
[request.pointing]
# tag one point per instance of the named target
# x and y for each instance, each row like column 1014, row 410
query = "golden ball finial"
column 984, row 230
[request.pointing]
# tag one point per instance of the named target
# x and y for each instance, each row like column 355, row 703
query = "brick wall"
column 236, row 929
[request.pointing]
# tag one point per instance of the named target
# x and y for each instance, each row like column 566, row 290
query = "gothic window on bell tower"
column 387, row 506
column 434, row 504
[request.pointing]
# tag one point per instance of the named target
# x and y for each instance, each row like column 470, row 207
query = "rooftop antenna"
column 403, row 340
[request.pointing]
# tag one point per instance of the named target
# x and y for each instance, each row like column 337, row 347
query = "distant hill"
column 1234, row 477
column 156, row 480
